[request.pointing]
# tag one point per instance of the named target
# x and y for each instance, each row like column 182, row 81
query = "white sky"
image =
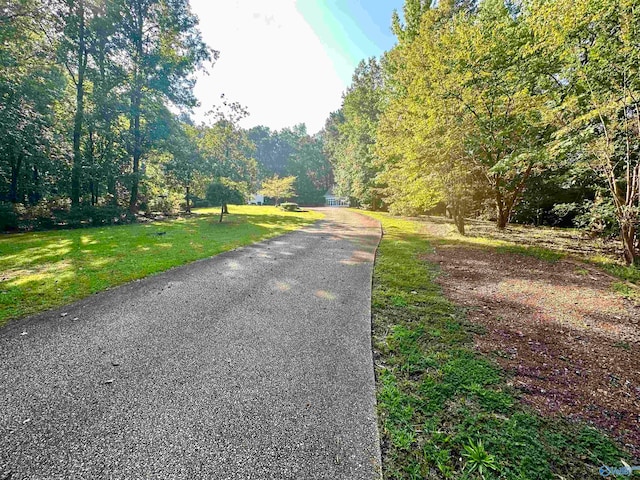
column 270, row 61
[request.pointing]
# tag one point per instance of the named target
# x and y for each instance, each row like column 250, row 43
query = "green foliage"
column 350, row 136
column 594, row 48
column 478, row 460
column 278, row 188
column 225, row 191
column 292, row 152
column 8, row 217
column 289, row 206
column 473, row 120
column 166, row 204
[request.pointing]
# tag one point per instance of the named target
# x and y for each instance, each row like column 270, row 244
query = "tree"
column 186, row 163
column 312, row 171
column 164, row 48
column 224, row 191
column 31, row 93
column 278, row 188
column 595, row 45
column 73, row 15
column 353, row 136
column 272, row 150
column 474, row 75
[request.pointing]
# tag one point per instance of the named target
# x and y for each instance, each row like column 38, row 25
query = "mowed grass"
column 444, row 410
column 42, row 270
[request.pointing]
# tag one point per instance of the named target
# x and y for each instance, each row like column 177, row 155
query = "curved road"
column 255, row 364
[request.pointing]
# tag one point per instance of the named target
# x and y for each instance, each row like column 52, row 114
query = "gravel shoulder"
column 252, row 364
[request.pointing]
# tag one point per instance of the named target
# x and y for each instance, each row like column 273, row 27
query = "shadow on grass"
column 47, row 269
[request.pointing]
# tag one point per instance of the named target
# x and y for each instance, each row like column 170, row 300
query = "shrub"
column 168, row 205
column 289, row 206
column 8, row 217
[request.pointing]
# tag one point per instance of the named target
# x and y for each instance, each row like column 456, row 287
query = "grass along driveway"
column 43, row 270
column 447, row 410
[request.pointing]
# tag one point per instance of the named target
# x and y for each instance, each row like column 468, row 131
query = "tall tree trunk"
column 78, row 118
column 187, row 199
column 136, row 101
column 221, row 213
column 137, row 152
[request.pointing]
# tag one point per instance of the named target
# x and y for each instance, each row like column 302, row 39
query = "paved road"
column 255, row 364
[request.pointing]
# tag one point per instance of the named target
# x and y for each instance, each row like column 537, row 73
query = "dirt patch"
column 570, row 342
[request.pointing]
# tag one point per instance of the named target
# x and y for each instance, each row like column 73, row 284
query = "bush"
column 289, row 206
column 89, row 215
column 8, row 217
column 197, row 202
column 168, row 205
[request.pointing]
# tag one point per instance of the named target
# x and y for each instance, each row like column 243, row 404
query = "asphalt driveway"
column 255, row 364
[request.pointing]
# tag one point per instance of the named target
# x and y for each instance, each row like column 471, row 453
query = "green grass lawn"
column 444, row 410
column 42, row 270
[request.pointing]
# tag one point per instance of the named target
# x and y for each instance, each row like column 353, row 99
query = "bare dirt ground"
column 569, row 341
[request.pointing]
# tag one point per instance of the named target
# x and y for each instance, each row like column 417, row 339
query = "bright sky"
column 288, row 61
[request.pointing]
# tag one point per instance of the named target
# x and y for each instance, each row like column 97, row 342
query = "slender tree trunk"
column 136, row 101
column 221, row 213
column 111, row 189
column 13, row 187
column 502, row 211
column 93, row 183
column 225, row 208
column 94, row 194
column 628, row 234
column 448, row 211
column 187, row 199
column 458, row 218
column 35, row 192
column 78, row 118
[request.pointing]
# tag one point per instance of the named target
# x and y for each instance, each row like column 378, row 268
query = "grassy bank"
column 42, row 270
column 444, row 410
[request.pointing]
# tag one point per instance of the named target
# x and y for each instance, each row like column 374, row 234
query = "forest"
column 519, row 111
column 96, row 125
column 522, row 111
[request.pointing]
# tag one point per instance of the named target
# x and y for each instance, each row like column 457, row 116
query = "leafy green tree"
column 352, row 137
column 278, row 188
column 598, row 95
column 186, row 162
column 106, row 131
column 225, row 191
column 163, row 48
column 31, row 93
column 312, row 171
column 73, row 52
column 475, row 76
column 272, row 150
